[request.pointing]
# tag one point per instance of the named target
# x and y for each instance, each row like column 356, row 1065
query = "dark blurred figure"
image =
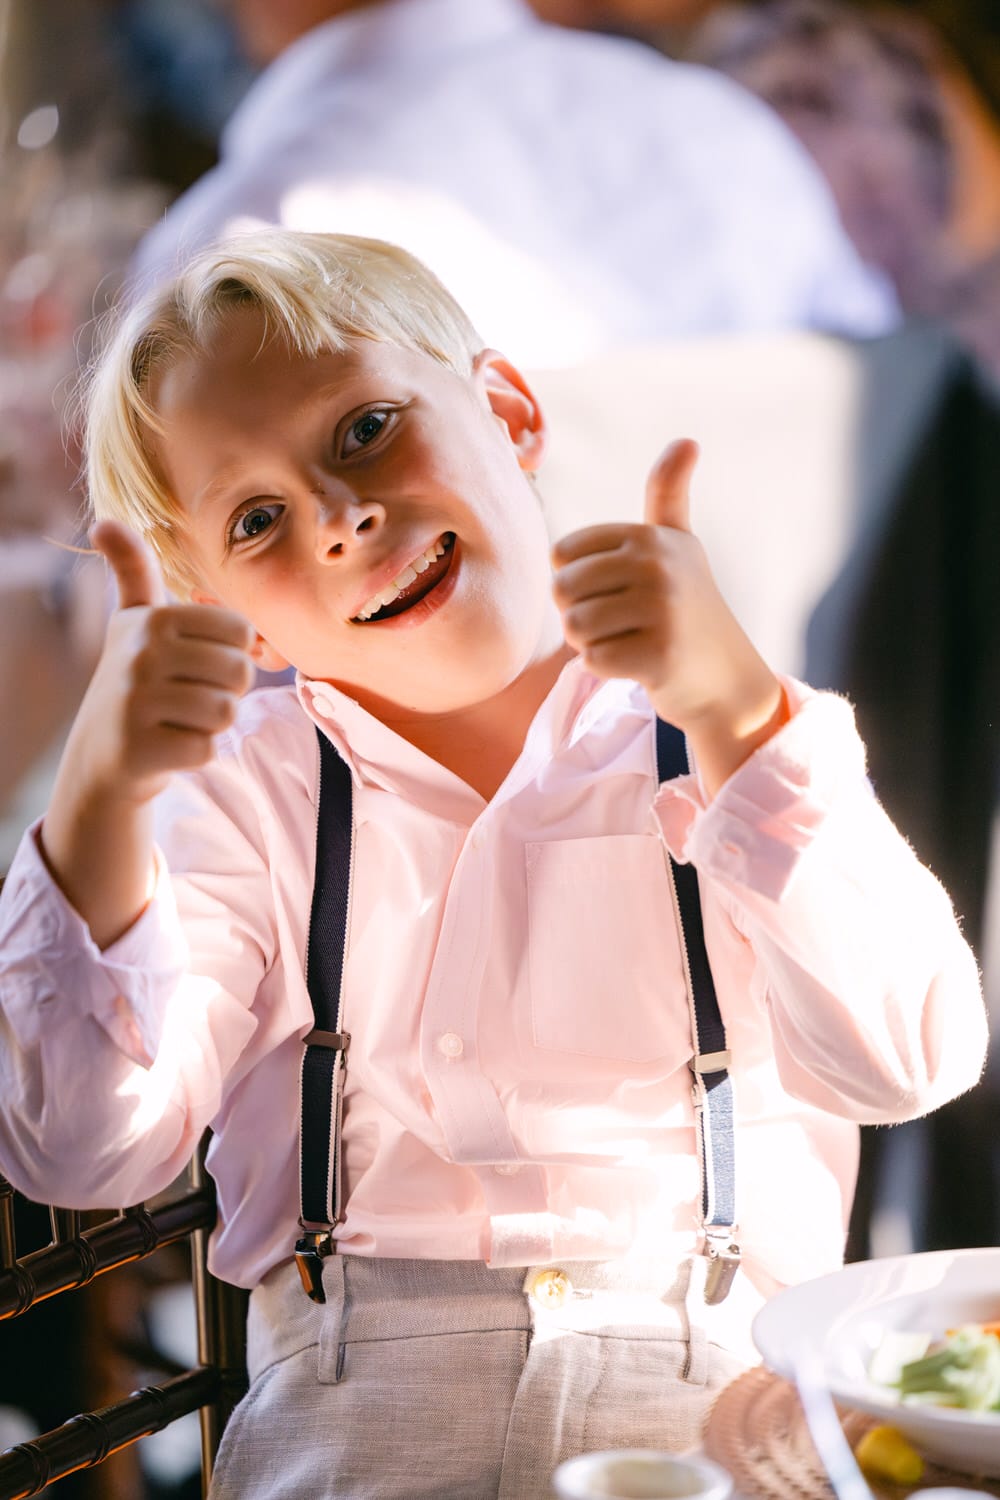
column 180, row 74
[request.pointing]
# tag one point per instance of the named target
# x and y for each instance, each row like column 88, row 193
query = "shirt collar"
column 376, row 38
column 379, row 756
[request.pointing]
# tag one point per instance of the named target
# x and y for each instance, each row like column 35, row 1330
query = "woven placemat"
column 757, row 1432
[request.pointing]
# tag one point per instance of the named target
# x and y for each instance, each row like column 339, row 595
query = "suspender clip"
column 310, row 1252
column 723, row 1253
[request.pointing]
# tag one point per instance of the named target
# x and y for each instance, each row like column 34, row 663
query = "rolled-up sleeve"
column 872, row 994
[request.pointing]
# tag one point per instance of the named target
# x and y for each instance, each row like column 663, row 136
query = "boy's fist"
column 170, row 677
column 638, row 600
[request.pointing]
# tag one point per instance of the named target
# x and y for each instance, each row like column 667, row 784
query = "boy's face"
column 368, row 512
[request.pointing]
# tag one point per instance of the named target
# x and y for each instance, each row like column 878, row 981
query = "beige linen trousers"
column 446, row 1380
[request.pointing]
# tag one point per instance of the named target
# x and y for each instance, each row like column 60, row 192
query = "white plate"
column 845, row 1315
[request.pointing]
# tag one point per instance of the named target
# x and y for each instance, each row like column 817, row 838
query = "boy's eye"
column 252, row 523
column 363, row 430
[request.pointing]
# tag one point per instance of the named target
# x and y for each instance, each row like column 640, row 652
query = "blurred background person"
column 898, row 104
column 575, row 192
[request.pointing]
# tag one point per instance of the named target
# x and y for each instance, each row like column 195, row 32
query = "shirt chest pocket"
column 604, row 962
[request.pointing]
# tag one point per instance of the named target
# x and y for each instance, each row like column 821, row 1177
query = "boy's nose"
column 343, row 520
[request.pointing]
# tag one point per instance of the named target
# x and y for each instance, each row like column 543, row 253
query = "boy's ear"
column 261, row 651
column 511, row 399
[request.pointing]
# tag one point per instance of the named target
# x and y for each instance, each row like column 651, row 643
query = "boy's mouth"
column 416, row 581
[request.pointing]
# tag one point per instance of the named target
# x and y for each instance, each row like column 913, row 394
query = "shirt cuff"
column 762, row 821
column 50, row 962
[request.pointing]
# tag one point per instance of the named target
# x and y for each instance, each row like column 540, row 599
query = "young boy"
column 333, row 473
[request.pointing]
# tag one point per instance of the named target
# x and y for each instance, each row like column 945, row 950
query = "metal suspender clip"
column 310, row 1252
column 723, row 1253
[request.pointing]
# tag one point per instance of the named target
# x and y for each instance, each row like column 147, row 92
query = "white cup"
column 640, row 1474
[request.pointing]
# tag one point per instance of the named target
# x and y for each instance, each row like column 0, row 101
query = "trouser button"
column 550, row 1288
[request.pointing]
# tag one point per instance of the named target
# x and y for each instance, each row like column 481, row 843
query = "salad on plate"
column 959, row 1369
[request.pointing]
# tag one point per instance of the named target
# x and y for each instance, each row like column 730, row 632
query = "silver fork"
column 846, row 1479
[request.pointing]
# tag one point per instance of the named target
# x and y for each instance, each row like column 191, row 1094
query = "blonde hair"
column 318, row 292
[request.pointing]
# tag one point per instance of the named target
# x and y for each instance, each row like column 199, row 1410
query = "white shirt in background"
column 575, row 192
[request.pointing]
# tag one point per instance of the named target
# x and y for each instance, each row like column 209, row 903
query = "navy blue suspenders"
column 324, row 1060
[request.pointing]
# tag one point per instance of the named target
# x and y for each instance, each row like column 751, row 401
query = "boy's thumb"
column 133, row 562
column 668, row 488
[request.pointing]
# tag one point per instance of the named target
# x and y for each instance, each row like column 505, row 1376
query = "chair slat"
column 92, row 1437
column 73, row 1263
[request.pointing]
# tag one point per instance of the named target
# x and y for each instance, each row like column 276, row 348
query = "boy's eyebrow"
column 217, row 489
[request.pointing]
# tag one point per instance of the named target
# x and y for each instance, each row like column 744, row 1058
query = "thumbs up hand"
column 170, row 678
column 639, row 601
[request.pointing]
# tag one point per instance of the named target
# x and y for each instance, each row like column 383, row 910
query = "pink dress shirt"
column 518, row 1085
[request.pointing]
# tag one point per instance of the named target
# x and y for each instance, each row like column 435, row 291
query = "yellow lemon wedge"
column 884, row 1453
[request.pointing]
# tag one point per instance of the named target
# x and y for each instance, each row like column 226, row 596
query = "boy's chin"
column 434, row 692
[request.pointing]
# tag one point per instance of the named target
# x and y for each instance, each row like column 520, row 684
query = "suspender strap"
column 324, row 1058
column 712, row 1087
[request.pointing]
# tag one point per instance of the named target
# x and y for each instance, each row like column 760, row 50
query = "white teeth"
column 393, row 590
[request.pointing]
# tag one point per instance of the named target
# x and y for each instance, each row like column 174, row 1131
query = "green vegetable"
column 964, row 1371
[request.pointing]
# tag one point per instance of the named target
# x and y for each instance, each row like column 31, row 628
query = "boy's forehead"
column 246, row 385
column 244, row 346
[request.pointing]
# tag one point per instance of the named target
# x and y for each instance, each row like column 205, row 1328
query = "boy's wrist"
column 724, row 735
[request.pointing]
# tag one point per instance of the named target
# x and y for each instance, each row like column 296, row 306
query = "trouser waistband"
column 371, row 1297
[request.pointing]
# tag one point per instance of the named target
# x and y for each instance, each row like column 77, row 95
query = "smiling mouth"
column 415, row 582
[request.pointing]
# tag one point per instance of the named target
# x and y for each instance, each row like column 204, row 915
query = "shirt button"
column 550, row 1288
column 450, row 1044
column 507, row 1168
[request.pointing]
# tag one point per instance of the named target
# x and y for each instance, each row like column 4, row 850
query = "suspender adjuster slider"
column 334, row 1041
column 723, row 1254
column 310, row 1252
column 711, row 1062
